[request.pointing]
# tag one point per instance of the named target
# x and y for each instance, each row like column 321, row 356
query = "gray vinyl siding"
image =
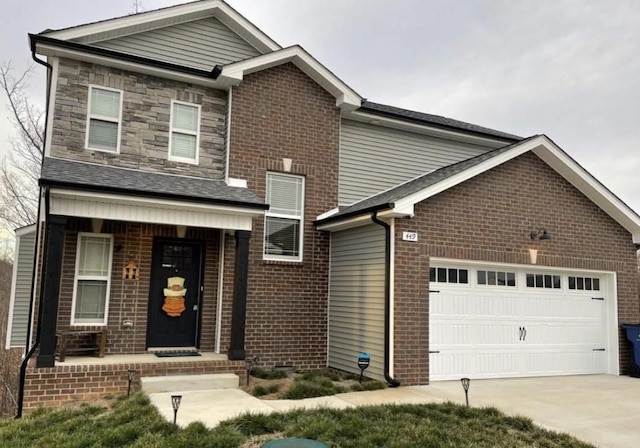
column 356, row 299
column 199, row 44
column 376, row 158
column 25, row 247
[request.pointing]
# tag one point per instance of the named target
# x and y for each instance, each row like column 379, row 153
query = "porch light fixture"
column 540, row 234
column 175, row 403
column 131, row 374
column 466, row 382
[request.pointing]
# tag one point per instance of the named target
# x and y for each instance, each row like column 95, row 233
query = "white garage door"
column 492, row 322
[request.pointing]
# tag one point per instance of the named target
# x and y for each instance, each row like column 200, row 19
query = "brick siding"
column 60, row 385
column 129, row 299
column 281, row 113
column 489, row 218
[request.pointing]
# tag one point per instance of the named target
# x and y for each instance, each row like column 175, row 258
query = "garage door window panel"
column 547, row 281
column 496, row 278
column 584, row 283
column 449, row 275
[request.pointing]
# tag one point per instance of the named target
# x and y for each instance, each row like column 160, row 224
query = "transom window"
column 284, row 219
column 185, row 132
column 448, row 275
column 92, row 279
column 584, row 283
column 496, row 278
column 544, row 281
column 105, row 116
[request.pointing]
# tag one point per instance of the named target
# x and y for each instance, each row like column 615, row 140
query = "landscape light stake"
column 175, row 402
column 465, row 385
column 250, row 363
column 131, row 374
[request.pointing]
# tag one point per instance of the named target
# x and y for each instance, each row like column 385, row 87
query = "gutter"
column 36, row 252
column 97, row 51
column 387, row 298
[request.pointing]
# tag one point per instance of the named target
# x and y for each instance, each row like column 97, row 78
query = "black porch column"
column 239, row 310
column 50, row 293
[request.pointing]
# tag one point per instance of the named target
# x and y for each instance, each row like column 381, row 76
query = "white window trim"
column 77, row 277
column 268, row 214
column 103, row 118
column 173, row 158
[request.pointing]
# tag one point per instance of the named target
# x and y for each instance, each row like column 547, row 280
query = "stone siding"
column 144, row 137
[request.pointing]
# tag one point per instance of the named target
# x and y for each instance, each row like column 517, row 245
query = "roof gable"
column 161, row 18
column 202, row 44
column 401, row 200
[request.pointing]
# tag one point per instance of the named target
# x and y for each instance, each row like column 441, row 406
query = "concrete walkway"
column 601, row 409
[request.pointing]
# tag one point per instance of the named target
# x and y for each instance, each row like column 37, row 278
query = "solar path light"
column 175, row 403
column 466, row 382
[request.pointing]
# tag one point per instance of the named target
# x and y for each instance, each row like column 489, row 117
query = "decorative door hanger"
column 174, row 296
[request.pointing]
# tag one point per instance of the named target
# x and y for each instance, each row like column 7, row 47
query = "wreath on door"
column 174, row 296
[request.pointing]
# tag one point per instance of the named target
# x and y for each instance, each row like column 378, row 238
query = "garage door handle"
column 520, row 330
column 524, row 338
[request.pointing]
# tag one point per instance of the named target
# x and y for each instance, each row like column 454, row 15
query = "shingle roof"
column 404, row 114
column 387, row 198
column 94, row 177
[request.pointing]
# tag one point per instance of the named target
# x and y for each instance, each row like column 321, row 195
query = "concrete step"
column 182, row 383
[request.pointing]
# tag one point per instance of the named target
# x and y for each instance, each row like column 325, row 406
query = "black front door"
column 174, row 293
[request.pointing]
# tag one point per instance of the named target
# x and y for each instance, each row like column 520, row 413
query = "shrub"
column 309, row 389
column 368, row 385
column 259, row 372
column 260, row 390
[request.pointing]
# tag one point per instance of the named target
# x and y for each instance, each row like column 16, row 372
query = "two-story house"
column 206, row 191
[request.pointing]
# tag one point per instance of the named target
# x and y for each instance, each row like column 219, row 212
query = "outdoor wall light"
column 175, row 403
column 540, row 234
column 131, row 374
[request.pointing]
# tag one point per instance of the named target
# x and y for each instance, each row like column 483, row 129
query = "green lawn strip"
column 136, row 423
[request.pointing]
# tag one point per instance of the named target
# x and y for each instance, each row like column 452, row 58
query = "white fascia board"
column 378, row 120
column 325, row 215
column 165, row 203
column 588, row 185
column 356, row 221
column 123, row 26
column 346, row 98
column 25, row 230
column 53, row 51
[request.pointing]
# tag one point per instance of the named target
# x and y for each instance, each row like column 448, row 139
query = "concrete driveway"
column 601, row 409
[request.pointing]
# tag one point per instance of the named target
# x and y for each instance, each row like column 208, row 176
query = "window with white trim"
column 184, row 138
column 283, row 227
column 92, row 279
column 548, row 281
column 104, row 119
column 448, row 275
column 584, row 283
column 496, row 278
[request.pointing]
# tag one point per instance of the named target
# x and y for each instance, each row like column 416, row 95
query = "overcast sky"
column 566, row 68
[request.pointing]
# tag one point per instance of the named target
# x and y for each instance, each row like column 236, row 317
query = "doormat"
column 175, row 354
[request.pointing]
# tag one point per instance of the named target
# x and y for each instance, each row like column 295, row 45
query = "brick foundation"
column 63, row 384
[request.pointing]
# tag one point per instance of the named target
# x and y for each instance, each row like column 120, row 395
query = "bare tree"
column 137, row 6
column 21, row 167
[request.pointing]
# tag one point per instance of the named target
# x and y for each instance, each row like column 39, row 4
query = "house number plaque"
column 410, row 236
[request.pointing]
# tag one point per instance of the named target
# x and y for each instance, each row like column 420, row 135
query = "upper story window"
column 496, row 278
column 185, row 132
column 105, row 119
column 283, row 228
column 92, row 280
column 449, row 275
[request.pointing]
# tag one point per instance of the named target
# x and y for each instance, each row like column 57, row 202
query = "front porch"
column 84, row 378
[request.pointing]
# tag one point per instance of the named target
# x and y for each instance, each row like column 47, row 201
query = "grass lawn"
column 135, row 423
